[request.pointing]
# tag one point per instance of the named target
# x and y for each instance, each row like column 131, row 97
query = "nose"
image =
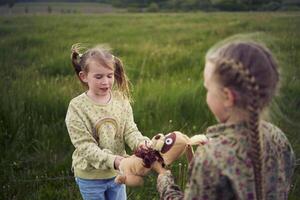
column 104, row 81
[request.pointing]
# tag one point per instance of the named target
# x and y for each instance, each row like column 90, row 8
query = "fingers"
column 145, row 144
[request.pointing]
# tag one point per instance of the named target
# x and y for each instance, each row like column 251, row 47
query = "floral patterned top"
column 222, row 168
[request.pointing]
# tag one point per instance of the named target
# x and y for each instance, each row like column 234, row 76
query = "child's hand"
column 157, row 166
column 117, row 162
column 145, row 144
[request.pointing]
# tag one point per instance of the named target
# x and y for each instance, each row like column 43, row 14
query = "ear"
column 189, row 153
column 83, row 76
column 229, row 97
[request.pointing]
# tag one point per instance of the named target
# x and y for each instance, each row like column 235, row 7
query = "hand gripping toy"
column 164, row 148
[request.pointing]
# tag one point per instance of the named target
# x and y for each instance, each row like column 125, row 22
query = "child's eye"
column 110, row 76
column 98, row 77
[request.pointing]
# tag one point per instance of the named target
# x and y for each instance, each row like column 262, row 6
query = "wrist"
column 117, row 162
column 164, row 173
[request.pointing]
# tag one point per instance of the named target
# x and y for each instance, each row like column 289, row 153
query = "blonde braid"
column 243, row 76
column 255, row 139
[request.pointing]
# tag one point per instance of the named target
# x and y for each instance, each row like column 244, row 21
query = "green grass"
column 164, row 58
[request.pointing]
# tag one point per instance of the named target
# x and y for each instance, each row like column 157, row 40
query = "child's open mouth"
column 104, row 89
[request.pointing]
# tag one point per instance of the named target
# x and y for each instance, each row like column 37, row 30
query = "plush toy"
column 165, row 149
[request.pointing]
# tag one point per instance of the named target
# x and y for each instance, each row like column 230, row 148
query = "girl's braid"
column 243, row 76
column 255, row 139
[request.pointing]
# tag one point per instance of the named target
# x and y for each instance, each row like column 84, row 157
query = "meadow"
column 164, row 58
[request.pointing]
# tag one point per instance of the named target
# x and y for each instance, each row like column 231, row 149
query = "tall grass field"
column 164, row 59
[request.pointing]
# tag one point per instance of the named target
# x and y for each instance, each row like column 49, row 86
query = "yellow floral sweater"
column 99, row 133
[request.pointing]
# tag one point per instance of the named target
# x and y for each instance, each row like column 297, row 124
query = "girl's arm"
column 85, row 143
column 133, row 136
column 204, row 181
column 165, row 183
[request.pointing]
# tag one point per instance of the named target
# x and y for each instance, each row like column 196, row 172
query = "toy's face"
column 170, row 146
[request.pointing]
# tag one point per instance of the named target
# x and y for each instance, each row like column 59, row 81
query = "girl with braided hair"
column 100, row 123
column 246, row 157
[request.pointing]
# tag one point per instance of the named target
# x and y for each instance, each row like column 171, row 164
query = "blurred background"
column 162, row 44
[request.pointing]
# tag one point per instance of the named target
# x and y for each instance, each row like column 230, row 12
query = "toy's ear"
column 189, row 152
column 198, row 139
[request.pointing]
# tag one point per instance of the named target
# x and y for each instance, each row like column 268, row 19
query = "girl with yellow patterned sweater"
column 100, row 122
column 245, row 157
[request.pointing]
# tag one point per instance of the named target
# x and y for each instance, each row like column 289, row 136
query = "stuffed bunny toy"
column 163, row 148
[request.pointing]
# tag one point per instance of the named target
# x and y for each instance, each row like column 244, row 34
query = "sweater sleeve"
column 167, row 188
column 133, row 136
column 204, row 182
column 84, row 142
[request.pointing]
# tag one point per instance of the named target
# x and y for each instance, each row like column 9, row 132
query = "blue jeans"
column 101, row 189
